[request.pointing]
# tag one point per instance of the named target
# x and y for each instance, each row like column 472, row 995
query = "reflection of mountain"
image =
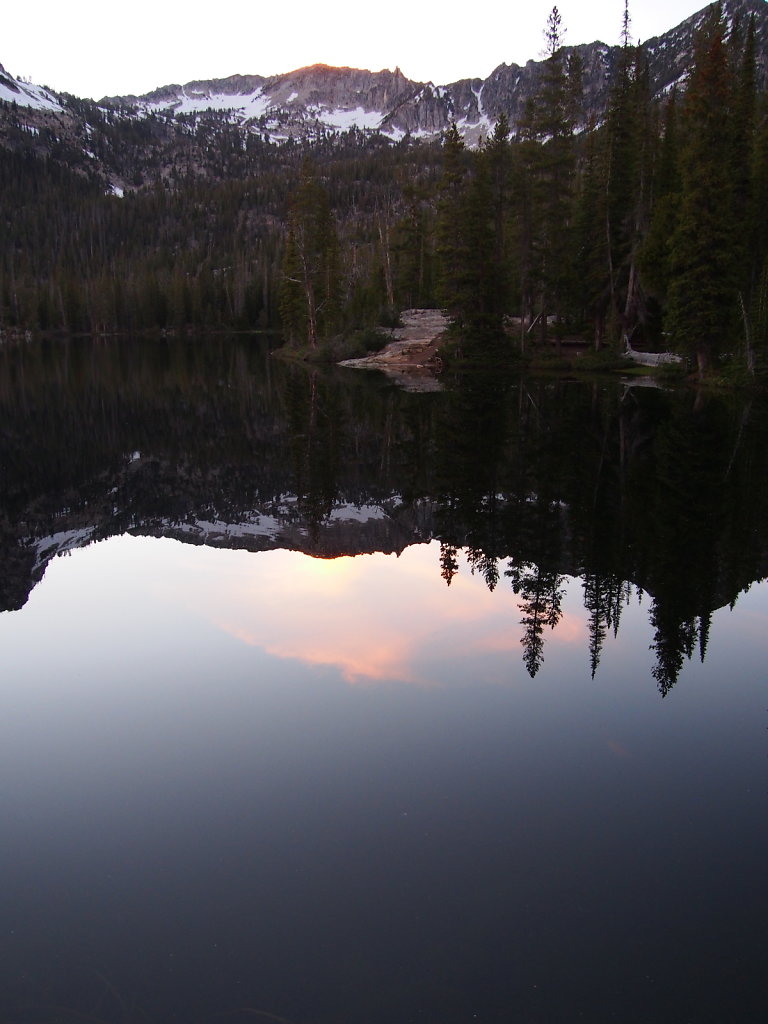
column 216, row 444
column 158, row 439
column 346, row 530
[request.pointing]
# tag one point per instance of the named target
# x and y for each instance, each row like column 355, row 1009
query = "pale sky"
column 95, row 49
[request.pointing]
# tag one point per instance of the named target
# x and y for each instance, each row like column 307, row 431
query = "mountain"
column 318, row 99
column 309, row 103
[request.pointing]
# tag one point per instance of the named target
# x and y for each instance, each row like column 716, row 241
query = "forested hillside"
column 649, row 222
column 202, row 251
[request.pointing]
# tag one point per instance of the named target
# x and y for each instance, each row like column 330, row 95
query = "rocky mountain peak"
column 312, row 101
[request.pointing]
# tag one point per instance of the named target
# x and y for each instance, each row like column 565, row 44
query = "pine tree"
column 704, row 256
column 413, row 249
column 621, row 175
column 469, row 208
column 654, row 255
column 496, row 160
column 309, row 297
column 450, row 224
column 551, row 170
column 743, row 131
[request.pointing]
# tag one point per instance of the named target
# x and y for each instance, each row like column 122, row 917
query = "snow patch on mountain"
column 259, row 105
column 24, row 94
column 249, row 106
column 342, row 120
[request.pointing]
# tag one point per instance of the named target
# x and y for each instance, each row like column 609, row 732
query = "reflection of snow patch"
column 357, row 513
column 213, row 531
column 48, row 547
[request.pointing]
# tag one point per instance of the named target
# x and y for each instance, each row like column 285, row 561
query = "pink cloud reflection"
column 372, row 617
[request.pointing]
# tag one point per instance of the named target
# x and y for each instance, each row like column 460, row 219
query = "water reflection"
column 344, row 707
column 372, row 618
column 217, row 783
column 529, row 481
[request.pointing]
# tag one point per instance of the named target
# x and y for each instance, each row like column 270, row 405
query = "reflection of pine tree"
column 449, row 563
column 595, row 601
column 541, row 594
column 668, row 492
column 705, row 622
column 620, row 592
column 315, row 423
column 604, row 599
column 470, row 449
column 674, row 642
column 694, row 452
column 485, row 565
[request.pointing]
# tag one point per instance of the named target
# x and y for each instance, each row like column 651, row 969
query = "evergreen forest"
column 647, row 225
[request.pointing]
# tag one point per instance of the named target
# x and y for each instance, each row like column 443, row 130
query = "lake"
column 328, row 703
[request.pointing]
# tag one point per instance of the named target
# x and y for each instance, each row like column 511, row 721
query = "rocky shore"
column 411, row 359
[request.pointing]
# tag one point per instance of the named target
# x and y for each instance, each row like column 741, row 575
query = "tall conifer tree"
column 309, row 296
column 551, row 179
column 704, row 256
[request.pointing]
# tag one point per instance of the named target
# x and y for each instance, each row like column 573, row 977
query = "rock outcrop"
column 411, row 358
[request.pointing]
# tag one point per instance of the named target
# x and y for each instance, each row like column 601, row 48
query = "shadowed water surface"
column 349, row 705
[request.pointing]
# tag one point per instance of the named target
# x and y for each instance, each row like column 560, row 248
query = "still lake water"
column 323, row 702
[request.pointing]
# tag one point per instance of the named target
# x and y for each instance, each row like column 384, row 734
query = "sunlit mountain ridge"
column 312, row 102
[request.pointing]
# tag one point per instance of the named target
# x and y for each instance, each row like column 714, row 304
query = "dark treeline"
column 631, row 489
column 649, row 225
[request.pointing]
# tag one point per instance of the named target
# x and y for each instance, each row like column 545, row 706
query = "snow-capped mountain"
column 312, row 102
column 322, row 98
column 300, row 103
